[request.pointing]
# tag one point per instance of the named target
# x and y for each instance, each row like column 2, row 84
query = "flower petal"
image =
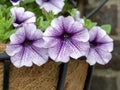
column 67, row 23
column 57, row 3
column 104, row 41
column 106, row 47
column 107, row 43
column 60, row 52
column 50, row 31
column 105, row 57
column 96, row 33
column 78, row 49
column 99, row 56
column 21, row 16
column 38, row 43
column 50, row 41
column 92, row 56
column 30, row 55
column 39, row 2
column 22, row 58
column 28, row 17
column 16, row 12
column 40, row 55
column 15, row 2
column 56, row 27
column 53, row 8
column 56, row 6
column 13, row 49
column 18, row 37
column 58, row 22
column 30, row 30
column 80, row 33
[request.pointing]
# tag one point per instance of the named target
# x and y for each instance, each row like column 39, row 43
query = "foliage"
column 89, row 24
column 107, row 28
column 43, row 19
column 58, row 63
column 72, row 12
column 5, row 24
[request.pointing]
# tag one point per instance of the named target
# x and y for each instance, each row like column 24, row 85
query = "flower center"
column 18, row 21
column 93, row 43
column 14, row 0
column 46, row 0
column 27, row 43
column 65, row 36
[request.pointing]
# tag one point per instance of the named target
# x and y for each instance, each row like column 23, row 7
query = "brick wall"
column 108, row 77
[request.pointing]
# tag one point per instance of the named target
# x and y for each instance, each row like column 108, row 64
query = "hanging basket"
column 75, row 75
column 45, row 77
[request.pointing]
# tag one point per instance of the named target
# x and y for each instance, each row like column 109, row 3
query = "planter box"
column 46, row 77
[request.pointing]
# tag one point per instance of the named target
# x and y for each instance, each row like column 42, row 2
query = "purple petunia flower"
column 51, row 5
column 66, row 38
column 26, row 47
column 100, row 47
column 15, row 2
column 21, row 16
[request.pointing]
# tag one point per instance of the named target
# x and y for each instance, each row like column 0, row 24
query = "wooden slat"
column 76, row 75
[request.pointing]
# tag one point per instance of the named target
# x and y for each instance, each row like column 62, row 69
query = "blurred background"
column 106, row 77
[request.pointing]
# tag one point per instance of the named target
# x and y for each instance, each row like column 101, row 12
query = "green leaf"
column 107, row 28
column 28, row 1
column 66, row 7
column 58, row 63
column 42, row 23
column 72, row 12
column 7, row 35
column 1, row 37
column 9, row 23
column 48, row 16
column 89, row 24
column 6, row 27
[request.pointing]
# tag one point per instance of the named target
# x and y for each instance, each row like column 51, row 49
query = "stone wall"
column 108, row 77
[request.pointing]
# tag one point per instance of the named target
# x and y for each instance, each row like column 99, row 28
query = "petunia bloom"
column 21, row 16
column 15, row 2
column 66, row 38
column 100, row 47
column 51, row 5
column 26, row 47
